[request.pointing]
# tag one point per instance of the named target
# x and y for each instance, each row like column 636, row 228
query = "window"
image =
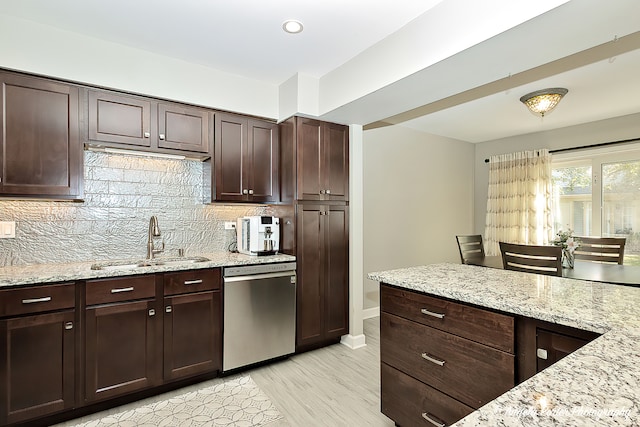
column 598, row 194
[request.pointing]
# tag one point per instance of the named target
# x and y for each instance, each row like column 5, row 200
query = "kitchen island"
column 599, row 384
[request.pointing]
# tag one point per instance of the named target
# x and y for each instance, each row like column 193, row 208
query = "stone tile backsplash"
column 121, row 193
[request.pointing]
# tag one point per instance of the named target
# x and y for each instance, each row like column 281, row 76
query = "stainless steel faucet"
column 154, row 231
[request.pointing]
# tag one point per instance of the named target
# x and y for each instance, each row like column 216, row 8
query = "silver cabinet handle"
column 147, row 135
column 245, row 191
column 430, row 358
column 161, row 136
column 433, row 420
column 152, row 312
column 68, row 325
column 35, row 300
column 167, row 309
column 321, row 191
column 541, row 353
column 250, row 191
column 328, row 191
column 119, row 290
column 193, row 282
column 431, row 313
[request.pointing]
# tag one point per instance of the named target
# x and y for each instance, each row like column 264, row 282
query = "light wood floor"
column 332, row 386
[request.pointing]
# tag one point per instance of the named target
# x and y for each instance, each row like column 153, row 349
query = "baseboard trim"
column 370, row 312
column 353, row 342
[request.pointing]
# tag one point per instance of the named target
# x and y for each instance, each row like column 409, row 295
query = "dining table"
column 618, row 274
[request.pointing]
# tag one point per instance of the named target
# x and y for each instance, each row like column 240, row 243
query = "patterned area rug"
column 236, row 402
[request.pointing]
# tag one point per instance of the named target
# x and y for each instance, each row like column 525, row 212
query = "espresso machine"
column 258, row 235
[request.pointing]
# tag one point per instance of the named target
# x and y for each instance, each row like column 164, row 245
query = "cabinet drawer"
column 37, row 299
column 191, row 281
column 486, row 327
column 105, row 291
column 470, row 372
column 409, row 402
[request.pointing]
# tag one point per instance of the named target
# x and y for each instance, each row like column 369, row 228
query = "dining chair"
column 601, row 249
column 470, row 247
column 532, row 259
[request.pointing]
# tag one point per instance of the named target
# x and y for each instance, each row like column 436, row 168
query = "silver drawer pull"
column 34, row 300
column 68, row 326
column 193, row 282
column 431, row 313
column 433, row 420
column 119, row 290
column 152, row 312
column 430, row 358
column 168, row 309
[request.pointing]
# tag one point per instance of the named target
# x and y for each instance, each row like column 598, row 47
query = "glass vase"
column 567, row 258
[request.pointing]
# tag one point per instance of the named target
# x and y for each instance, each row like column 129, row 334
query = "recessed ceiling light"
column 292, row 26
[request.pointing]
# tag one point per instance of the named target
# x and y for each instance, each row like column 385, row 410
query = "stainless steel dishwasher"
column 259, row 313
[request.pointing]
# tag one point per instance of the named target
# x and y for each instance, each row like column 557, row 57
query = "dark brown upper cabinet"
column 246, row 160
column 40, row 150
column 128, row 121
column 119, row 119
column 315, row 160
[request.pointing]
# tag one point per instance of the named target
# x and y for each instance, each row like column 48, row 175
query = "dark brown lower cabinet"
column 123, row 336
column 37, row 357
column 192, row 334
column 121, row 344
column 431, row 373
column 410, row 402
column 323, row 274
column 541, row 344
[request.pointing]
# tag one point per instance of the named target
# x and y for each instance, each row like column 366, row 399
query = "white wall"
column 40, row 49
column 418, row 194
column 616, row 129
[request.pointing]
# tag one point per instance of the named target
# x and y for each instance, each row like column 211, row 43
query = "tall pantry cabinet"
column 315, row 180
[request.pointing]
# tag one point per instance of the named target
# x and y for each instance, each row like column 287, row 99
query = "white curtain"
column 520, row 202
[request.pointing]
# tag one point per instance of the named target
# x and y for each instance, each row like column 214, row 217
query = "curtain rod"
column 583, row 147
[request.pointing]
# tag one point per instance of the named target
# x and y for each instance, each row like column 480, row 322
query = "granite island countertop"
column 14, row 276
column 598, row 385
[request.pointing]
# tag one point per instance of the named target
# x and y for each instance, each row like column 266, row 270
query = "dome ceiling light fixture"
column 542, row 101
column 292, row 26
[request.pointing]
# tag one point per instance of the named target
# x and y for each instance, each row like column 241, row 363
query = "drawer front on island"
column 411, row 403
column 493, row 329
column 470, row 372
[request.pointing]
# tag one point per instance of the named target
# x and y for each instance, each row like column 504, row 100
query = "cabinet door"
column 120, row 119
column 553, row 346
column 184, row 128
column 311, row 274
column 263, row 161
column 192, row 334
column 230, row 149
column 37, row 355
column 123, row 349
column 336, row 248
column 336, row 162
column 40, row 148
column 309, row 150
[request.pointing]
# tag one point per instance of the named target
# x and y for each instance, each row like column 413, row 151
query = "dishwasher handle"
column 232, row 279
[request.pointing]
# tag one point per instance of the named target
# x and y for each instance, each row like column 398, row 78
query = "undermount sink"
column 135, row 264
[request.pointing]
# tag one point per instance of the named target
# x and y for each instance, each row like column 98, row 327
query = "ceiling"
column 244, row 37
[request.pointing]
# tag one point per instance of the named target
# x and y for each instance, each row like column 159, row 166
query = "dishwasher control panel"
column 244, row 270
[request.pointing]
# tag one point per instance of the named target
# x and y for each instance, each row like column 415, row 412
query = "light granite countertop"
column 50, row 273
column 598, row 385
